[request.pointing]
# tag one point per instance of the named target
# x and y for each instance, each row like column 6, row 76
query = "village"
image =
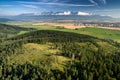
column 97, row 24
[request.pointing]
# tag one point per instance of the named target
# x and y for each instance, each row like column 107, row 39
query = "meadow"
column 92, row 31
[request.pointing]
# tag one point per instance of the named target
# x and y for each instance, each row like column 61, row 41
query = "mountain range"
column 51, row 16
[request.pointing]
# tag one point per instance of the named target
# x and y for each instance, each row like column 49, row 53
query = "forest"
column 58, row 55
column 7, row 31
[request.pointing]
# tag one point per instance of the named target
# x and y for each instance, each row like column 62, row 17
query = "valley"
column 48, row 55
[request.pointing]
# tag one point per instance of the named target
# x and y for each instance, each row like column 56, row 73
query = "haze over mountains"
column 66, row 15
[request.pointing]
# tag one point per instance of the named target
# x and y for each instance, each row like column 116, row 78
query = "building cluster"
column 97, row 24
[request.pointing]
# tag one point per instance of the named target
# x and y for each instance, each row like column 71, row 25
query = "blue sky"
column 101, row 7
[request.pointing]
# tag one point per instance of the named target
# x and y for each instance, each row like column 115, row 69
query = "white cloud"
column 64, row 13
column 31, row 6
column 67, row 13
column 96, row 3
column 103, row 1
column 83, row 13
column 93, row 2
column 54, row 3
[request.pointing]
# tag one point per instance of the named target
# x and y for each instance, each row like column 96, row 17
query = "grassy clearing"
column 106, row 47
column 22, row 32
column 39, row 53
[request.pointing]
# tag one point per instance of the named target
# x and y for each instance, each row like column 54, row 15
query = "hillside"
column 7, row 31
column 92, row 31
column 58, row 55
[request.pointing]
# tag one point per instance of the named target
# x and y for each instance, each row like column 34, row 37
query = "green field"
column 96, row 32
column 100, row 33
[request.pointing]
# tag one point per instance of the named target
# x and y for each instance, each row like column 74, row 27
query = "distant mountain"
column 62, row 17
column 27, row 14
column 59, row 16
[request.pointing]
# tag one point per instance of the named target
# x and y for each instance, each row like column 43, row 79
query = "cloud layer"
column 107, row 7
column 30, row 6
column 55, row 4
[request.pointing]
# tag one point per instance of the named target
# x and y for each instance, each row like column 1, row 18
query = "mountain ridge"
column 51, row 16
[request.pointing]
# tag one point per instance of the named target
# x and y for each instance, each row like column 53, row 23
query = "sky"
column 94, row 7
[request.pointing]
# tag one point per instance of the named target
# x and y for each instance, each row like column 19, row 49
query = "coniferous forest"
column 57, row 55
